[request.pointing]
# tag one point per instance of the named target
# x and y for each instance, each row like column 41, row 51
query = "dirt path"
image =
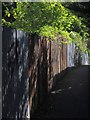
column 69, row 98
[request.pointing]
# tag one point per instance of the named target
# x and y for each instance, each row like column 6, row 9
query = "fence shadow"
column 41, row 111
column 69, row 97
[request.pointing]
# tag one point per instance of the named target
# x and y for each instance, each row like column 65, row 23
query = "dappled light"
column 58, row 91
column 15, row 75
column 31, row 71
column 45, row 60
column 69, row 88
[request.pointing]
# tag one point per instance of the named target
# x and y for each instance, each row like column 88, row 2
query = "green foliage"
column 50, row 19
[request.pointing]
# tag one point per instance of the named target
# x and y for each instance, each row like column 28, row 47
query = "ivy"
column 50, row 19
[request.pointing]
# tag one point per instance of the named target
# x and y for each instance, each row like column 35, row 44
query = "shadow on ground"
column 69, row 97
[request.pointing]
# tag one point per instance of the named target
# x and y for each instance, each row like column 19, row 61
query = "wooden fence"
column 47, row 61
column 31, row 67
column 15, row 83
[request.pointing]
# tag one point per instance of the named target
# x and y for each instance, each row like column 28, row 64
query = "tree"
column 50, row 19
column 81, row 9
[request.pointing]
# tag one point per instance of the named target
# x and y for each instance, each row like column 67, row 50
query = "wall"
column 15, row 83
column 71, row 55
column 46, row 61
column 31, row 67
column 74, row 56
column 85, row 58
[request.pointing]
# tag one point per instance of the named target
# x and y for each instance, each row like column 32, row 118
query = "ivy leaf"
column 8, row 14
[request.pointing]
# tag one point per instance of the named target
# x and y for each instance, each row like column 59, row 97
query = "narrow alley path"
column 69, row 98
